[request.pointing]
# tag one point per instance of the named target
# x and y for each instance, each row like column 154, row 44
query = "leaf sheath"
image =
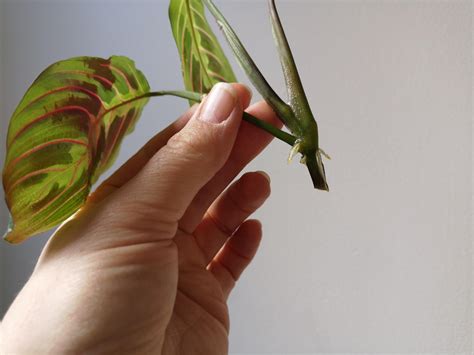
column 296, row 94
column 250, row 68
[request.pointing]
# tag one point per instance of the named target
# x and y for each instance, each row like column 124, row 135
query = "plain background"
column 382, row 263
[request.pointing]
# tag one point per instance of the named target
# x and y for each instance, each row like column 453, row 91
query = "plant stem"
column 196, row 97
column 275, row 132
column 193, row 96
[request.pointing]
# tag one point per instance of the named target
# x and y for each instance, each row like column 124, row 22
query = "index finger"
column 139, row 160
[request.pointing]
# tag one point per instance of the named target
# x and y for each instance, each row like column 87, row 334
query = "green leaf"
column 203, row 62
column 65, row 132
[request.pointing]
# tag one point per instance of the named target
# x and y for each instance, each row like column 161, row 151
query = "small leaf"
column 65, row 132
column 202, row 59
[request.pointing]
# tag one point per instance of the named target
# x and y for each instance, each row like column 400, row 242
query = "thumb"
column 163, row 189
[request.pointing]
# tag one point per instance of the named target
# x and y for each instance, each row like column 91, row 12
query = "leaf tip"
column 15, row 234
column 8, row 236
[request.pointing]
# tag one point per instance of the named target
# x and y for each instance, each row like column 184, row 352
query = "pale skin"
column 148, row 264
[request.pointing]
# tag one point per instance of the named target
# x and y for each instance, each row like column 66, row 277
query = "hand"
column 146, row 266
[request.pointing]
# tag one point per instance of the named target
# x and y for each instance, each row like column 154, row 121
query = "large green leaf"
column 203, row 62
column 64, row 133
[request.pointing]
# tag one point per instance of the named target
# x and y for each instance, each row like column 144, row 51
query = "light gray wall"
column 382, row 263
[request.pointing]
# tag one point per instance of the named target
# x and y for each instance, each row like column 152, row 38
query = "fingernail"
column 265, row 175
column 219, row 104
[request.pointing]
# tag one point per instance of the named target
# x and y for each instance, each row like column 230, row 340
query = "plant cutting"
column 67, row 129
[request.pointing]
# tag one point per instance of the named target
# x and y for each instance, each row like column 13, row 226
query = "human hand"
column 140, row 268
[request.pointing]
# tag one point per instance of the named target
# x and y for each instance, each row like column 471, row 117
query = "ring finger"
column 229, row 211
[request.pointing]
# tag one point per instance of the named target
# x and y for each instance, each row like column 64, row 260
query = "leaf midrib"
column 195, row 43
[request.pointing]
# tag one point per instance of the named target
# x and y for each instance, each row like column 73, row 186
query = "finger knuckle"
column 195, row 146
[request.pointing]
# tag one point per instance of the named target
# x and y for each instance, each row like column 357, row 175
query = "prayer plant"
column 67, row 129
